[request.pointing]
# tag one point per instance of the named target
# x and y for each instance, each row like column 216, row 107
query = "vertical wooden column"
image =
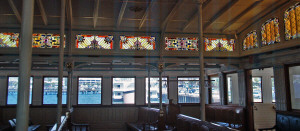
column 242, row 87
column 223, row 89
column 201, row 61
column 280, row 82
column 249, row 100
column 61, row 62
column 25, row 55
column 209, row 90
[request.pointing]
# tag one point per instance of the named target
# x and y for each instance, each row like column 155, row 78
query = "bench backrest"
column 148, row 114
column 287, row 121
column 228, row 114
column 187, row 123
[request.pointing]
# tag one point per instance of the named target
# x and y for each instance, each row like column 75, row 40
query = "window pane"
column 215, row 92
column 154, row 89
column 273, row 90
column 188, row 90
column 181, row 43
column 219, row 44
column 294, row 75
column 9, row 40
column 89, row 91
column 51, row 90
column 137, row 42
column 256, row 84
column 123, row 90
column 12, row 92
column 229, row 86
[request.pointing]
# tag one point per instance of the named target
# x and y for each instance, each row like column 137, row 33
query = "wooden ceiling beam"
column 262, row 14
column 15, row 10
column 172, row 13
column 241, row 15
column 195, row 15
column 69, row 12
column 121, row 14
column 146, row 13
column 220, row 13
column 95, row 15
column 42, row 11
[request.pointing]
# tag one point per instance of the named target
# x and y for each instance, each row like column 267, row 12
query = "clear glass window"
column 12, row 91
column 215, row 92
column 51, row 90
column 89, row 90
column 257, row 89
column 188, row 90
column 154, row 89
column 123, row 91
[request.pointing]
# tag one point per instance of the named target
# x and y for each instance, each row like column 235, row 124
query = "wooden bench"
column 66, row 124
column 285, row 121
column 147, row 120
column 31, row 127
column 229, row 115
column 187, row 123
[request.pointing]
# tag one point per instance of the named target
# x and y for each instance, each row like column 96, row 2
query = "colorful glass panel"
column 45, row 40
column 137, row 43
column 270, row 32
column 94, row 41
column 250, row 41
column 181, row 43
column 9, row 40
column 292, row 22
column 221, row 44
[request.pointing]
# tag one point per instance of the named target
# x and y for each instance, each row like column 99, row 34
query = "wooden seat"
column 13, row 124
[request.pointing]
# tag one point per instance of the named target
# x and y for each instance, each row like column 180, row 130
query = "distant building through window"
column 12, row 91
column 188, row 90
column 51, row 90
column 89, row 90
column 273, row 90
column 154, row 89
column 123, row 91
column 229, row 89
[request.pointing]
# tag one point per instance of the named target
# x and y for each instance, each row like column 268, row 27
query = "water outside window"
column 51, row 90
column 12, row 91
column 89, row 90
column 154, row 89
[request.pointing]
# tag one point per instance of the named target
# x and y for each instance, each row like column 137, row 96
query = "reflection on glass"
column 229, row 86
column 188, row 90
column 273, row 90
column 154, row 89
column 215, row 92
column 123, row 90
column 256, row 84
column 51, row 90
column 12, row 91
column 89, row 90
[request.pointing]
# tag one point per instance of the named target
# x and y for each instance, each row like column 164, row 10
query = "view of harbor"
column 188, row 90
column 154, row 89
column 123, row 91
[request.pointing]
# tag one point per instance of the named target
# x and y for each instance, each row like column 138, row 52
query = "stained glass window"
column 181, row 43
column 137, row 43
column 45, row 40
column 9, row 39
column 94, row 41
column 222, row 44
column 250, row 41
column 270, row 32
column 292, row 22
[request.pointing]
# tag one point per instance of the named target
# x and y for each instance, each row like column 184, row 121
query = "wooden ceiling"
column 219, row 16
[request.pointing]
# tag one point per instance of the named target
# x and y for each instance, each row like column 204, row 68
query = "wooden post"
column 249, row 101
column 25, row 65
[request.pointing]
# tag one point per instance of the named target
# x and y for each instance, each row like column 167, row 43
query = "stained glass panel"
column 292, row 22
column 137, row 43
column 45, row 40
column 181, row 43
column 9, row 40
column 94, row 41
column 250, row 41
column 270, row 32
column 222, row 44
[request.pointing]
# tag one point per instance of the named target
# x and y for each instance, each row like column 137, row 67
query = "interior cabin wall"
column 106, row 116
